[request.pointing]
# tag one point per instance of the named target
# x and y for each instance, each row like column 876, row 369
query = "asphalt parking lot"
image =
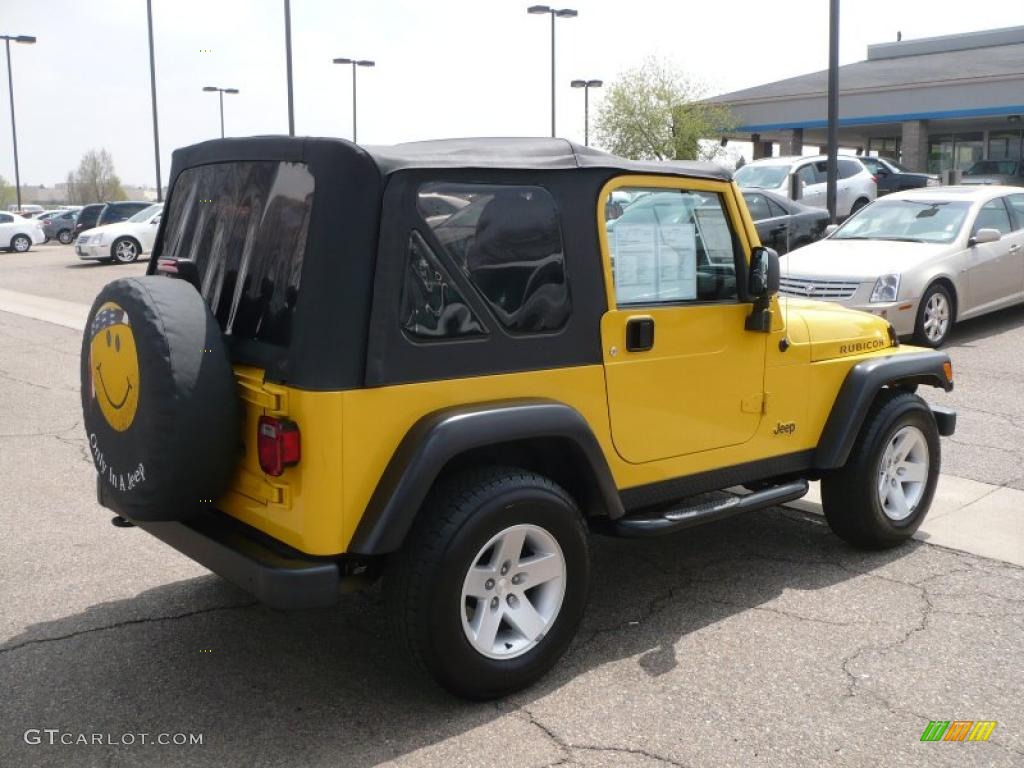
column 756, row 641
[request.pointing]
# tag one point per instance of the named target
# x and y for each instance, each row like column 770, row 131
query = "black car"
column 890, row 176
column 784, row 224
column 98, row 214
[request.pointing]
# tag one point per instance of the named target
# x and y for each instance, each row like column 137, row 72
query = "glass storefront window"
column 959, row 150
column 1004, row 145
column 887, row 146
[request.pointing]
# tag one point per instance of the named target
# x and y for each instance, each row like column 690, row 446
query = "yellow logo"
column 114, row 365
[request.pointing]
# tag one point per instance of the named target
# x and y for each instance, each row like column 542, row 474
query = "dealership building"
column 933, row 104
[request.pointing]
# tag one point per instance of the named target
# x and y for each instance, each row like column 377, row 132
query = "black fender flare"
column 437, row 438
column 862, row 384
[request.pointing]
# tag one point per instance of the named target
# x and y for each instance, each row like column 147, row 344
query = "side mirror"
column 985, row 235
column 830, row 229
column 155, row 220
column 763, row 282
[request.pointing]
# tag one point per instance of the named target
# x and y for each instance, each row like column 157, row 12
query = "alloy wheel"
column 903, row 473
column 936, row 317
column 125, row 251
column 21, row 243
column 513, row 592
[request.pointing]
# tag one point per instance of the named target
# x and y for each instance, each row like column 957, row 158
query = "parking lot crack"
column 127, row 623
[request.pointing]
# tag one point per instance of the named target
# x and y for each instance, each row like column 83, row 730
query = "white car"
column 922, row 258
column 18, row 234
column 123, row 241
column 855, row 188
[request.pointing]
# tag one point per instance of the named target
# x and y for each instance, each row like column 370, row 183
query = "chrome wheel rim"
column 512, row 592
column 65, row 237
column 125, row 251
column 936, row 317
column 903, row 473
column 21, row 244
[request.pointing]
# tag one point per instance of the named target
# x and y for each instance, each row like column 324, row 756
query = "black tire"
column 159, row 400
column 21, row 243
column 424, row 582
column 125, row 250
column 924, row 335
column 858, row 204
column 850, row 496
column 66, row 237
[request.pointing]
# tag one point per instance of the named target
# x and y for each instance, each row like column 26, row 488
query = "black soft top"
column 508, row 153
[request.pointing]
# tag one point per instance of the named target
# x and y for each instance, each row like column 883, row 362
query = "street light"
column 586, row 85
column 562, row 13
column 152, row 94
column 221, row 92
column 288, row 64
column 355, row 63
column 28, row 39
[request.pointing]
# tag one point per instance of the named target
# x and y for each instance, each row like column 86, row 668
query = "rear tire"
column 65, row 237
column 858, row 204
column 518, row 541
column 882, row 494
column 20, row 243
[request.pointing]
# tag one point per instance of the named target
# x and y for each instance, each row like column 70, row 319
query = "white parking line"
column 70, row 314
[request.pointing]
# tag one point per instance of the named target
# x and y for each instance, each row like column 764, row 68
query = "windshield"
column 918, row 221
column 761, row 176
column 146, row 213
column 1007, row 167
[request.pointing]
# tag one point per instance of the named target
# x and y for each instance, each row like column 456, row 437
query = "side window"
column 6, row 218
column 507, row 239
column 432, row 307
column 776, row 209
column 1016, row 205
column 848, row 168
column 758, row 206
column 993, row 215
column 807, row 174
column 871, row 164
column 671, row 246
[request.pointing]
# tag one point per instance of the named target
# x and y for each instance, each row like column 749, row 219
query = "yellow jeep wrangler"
column 443, row 363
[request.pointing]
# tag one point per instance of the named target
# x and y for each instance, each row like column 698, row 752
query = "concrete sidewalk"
column 966, row 515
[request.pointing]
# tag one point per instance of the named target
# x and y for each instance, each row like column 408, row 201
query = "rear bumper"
column 274, row 575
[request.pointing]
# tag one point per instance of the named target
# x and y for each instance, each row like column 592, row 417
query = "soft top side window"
column 507, row 239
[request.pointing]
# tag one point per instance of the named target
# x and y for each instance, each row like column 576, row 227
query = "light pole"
column 563, row 13
column 832, row 162
column 355, row 63
column 28, row 39
column 220, row 92
column 586, row 85
column 152, row 92
column 288, row 62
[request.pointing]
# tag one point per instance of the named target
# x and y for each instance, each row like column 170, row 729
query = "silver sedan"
column 923, row 259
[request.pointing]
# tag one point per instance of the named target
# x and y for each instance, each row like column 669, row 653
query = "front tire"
column 882, row 494
column 491, row 585
column 125, row 250
column 66, row 237
column 934, row 317
column 20, row 243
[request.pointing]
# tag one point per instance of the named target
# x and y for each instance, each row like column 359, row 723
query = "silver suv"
column 856, row 187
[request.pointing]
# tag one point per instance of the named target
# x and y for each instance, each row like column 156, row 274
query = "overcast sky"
column 444, row 67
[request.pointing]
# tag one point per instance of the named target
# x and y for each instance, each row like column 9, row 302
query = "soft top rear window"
column 244, row 226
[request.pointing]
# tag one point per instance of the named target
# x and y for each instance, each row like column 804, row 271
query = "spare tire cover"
column 159, row 400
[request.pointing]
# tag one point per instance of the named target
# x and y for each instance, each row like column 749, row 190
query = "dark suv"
column 98, row 214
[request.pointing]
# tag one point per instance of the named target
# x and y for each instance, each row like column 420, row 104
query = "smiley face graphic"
column 114, row 365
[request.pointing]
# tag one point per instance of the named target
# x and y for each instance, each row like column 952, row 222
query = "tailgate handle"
column 639, row 334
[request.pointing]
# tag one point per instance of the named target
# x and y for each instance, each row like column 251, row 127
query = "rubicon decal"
column 114, row 366
column 862, row 346
column 958, row 730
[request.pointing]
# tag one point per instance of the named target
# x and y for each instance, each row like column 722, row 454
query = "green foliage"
column 7, row 194
column 95, row 180
column 654, row 112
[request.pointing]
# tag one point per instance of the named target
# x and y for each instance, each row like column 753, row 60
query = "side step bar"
column 683, row 517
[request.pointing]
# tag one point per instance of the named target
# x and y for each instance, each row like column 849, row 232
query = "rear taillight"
column 279, row 444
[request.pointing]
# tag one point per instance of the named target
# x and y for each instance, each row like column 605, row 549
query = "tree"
column 95, row 180
column 7, row 194
column 655, row 112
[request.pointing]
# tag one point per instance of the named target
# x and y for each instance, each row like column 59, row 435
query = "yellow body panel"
column 717, row 398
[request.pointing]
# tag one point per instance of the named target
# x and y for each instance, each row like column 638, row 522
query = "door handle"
column 639, row 334
column 1014, row 247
